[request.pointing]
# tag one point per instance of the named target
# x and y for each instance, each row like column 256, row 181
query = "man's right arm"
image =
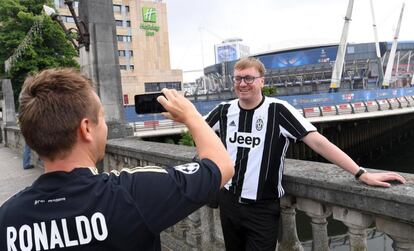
column 208, row 145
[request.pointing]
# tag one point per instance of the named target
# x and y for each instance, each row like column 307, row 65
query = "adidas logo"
column 232, row 123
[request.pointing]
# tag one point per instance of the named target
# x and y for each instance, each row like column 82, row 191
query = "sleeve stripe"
column 153, row 169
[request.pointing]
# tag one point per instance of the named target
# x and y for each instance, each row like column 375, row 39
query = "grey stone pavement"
column 13, row 177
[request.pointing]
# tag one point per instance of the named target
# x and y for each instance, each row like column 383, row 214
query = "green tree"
column 47, row 48
column 186, row 139
column 269, row 90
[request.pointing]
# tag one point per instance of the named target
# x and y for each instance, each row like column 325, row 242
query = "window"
column 128, row 23
column 156, row 87
column 131, row 53
column 124, row 38
column 121, row 53
column 127, row 8
column 63, row 5
column 117, row 8
column 131, row 67
column 122, row 67
column 118, row 23
column 68, row 19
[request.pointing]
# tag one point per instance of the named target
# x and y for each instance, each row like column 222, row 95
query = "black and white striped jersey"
column 257, row 141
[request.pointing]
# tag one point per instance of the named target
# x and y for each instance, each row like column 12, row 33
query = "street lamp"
column 81, row 31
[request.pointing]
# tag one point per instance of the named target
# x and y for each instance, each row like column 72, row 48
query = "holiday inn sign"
column 149, row 16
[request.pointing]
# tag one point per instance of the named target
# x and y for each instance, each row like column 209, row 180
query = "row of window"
column 118, row 8
column 124, row 38
column 125, row 53
column 68, row 19
column 120, row 23
column 124, row 67
column 63, row 5
column 158, row 86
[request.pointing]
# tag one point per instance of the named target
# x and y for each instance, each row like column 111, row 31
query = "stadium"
column 302, row 76
column 308, row 69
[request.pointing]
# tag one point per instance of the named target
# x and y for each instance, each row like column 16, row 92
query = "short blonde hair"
column 249, row 62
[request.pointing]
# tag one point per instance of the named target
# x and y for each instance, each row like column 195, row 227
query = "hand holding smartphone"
column 147, row 103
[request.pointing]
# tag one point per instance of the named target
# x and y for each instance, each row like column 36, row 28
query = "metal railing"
column 308, row 112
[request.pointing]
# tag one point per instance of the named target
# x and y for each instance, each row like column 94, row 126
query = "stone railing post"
column 212, row 236
column 8, row 108
column 357, row 224
column 401, row 233
column 318, row 213
column 288, row 237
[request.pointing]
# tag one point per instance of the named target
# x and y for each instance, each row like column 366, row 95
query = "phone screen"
column 147, row 103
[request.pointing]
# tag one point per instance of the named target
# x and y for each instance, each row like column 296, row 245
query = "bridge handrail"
column 307, row 112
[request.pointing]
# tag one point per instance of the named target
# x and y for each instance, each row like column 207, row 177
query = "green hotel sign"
column 149, row 17
column 149, row 14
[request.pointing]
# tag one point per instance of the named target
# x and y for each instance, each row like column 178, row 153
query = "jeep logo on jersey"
column 243, row 139
column 259, row 124
column 189, row 168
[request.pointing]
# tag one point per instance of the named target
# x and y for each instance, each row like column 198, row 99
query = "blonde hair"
column 249, row 62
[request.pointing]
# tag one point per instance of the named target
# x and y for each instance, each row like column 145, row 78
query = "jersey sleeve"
column 292, row 124
column 166, row 196
column 212, row 118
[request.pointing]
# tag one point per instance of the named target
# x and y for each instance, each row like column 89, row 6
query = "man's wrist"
column 360, row 172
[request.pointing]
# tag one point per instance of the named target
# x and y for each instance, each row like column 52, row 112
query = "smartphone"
column 147, row 103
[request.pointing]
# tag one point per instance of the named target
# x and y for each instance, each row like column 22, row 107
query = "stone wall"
column 318, row 189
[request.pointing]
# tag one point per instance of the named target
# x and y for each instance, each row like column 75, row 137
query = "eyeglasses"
column 247, row 79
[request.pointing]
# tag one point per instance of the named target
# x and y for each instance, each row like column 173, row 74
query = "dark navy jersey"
column 126, row 210
column 257, row 141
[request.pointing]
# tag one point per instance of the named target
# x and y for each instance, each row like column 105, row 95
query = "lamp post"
column 81, row 31
column 96, row 35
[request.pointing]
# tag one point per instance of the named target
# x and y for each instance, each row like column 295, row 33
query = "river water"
column 401, row 159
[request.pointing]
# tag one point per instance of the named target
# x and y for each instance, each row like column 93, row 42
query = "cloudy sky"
column 266, row 25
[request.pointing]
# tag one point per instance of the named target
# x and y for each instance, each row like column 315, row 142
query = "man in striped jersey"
column 257, row 131
column 71, row 206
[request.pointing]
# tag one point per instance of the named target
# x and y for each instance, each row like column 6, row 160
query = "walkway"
column 12, row 176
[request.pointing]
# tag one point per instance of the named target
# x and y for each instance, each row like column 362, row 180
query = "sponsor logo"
column 232, row 123
column 259, row 124
column 243, row 139
column 189, row 168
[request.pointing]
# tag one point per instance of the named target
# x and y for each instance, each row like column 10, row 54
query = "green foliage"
column 186, row 139
column 269, row 90
column 48, row 49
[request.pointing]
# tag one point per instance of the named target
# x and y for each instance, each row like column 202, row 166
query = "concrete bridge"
column 320, row 190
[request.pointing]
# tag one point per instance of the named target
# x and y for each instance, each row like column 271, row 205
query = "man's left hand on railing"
column 331, row 152
column 384, row 179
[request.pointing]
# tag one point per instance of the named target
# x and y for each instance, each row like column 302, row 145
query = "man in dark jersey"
column 71, row 206
column 256, row 131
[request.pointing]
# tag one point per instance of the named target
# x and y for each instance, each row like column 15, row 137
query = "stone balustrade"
column 318, row 189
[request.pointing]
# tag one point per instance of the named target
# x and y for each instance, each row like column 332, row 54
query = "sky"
column 195, row 26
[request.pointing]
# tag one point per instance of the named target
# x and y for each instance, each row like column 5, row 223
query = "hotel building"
column 143, row 47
